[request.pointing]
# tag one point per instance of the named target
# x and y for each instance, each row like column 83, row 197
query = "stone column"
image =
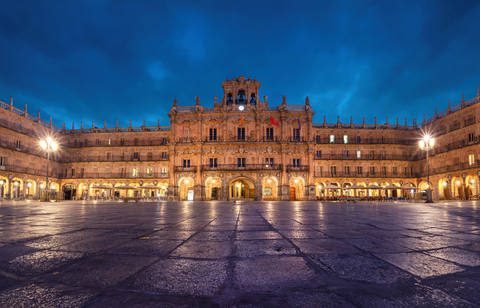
column 224, row 191
column 88, row 189
column 258, row 189
column 199, row 188
column 285, row 188
column 282, row 126
column 24, row 187
column 310, row 180
column 9, row 189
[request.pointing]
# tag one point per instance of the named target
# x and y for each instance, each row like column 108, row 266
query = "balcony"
column 339, row 140
column 365, row 175
column 125, row 158
column 114, row 175
column 115, row 143
column 246, row 167
column 353, row 156
column 300, row 168
column 185, row 169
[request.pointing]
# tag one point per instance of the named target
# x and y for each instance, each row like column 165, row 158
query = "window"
column 296, row 162
column 135, row 172
column 213, row 134
column 345, row 139
column 109, row 141
column 411, row 171
column 240, row 162
column 359, row 154
column 372, row 170
column 384, row 171
column 471, row 159
column 3, row 161
column 136, row 141
column 86, row 142
column 333, row 171
column 394, row 170
column 319, row 139
column 66, row 172
column 359, row 171
column 345, row 154
column 470, row 137
column 318, row 171
column 405, row 172
column 149, row 156
column 149, row 172
column 19, row 144
column 269, row 132
column 347, row 170
column 252, row 99
column 358, row 139
column 319, row 154
column 73, row 173
column 186, row 163
column 241, row 133
column 213, row 162
column 332, row 139
column 164, row 155
column 82, row 172
column 268, row 162
column 135, row 155
column 383, row 154
column 97, row 142
column 19, row 127
column 372, row 154
column 122, row 141
column 229, row 99
column 109, row 156
column 164, row 171
column 164, row 141
column 296, row 134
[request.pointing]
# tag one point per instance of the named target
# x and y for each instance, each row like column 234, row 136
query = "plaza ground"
column 258, row 254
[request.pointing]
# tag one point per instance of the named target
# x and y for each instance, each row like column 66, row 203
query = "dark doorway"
column 68, row 191
column 215, row 193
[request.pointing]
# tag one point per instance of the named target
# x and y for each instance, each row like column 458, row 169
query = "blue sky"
column 126, row 60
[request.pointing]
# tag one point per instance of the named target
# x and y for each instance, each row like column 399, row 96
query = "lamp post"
column 426, row 144
column 49, row 146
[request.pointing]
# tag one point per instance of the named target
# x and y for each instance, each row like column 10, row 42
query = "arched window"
column 241, row 97
column 229, row 99
column 252, row 99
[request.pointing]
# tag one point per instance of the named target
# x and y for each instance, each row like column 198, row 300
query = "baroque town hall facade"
column 240, row 148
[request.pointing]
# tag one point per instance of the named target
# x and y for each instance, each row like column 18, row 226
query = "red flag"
column 272, row 121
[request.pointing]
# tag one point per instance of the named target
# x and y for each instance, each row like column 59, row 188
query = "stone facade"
column 234, row 151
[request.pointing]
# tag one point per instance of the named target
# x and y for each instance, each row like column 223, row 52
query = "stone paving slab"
column 256, row 254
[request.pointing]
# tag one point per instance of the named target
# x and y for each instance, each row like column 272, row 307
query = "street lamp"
column 49, row 146
column 426, row 144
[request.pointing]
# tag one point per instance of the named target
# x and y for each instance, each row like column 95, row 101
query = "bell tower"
column 240, row 91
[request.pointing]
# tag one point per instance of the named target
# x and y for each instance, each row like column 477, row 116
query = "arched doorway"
column 3, row 186
column 186, row 185
column 213, row 189
column 241, row 188
column 296, row 188
column 69, row 191
column 16, row 188
column 269, row 188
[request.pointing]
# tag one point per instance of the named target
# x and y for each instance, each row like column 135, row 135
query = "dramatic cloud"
column 126, row 60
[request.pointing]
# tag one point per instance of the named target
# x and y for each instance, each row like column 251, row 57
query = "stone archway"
column 186, row 185
column 213, row 188
column 297, row 188
column 269, row 188
column 241, row 187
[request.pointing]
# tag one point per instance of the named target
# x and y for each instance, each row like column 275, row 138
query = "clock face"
column 241, row 108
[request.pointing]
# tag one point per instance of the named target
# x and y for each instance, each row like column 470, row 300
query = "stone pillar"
column 24, row 187
column 172, row 191
column 258, row 189
column 285, row 189
column 199, row 193
column 88, row 189
column 9, row 189
column 224, row 191
column 282, row 126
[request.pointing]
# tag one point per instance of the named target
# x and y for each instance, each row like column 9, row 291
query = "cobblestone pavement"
column 258, row 254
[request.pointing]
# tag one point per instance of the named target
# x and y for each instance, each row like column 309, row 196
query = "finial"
column 387, row 121
column 50, row 120
column 25, row 107
column 144, row 122
column 338, row 119
column 117, row 123
column 435, row 110
column 227, row 79
column 197, row 100
column 104, row 124
column 174, row 102
column 351, row 119
column 93, row 124
column 375, row 120
column 363, row 120
column 324, row 119
column 478, row 90
column 424, row 118
column 39, row 114
column 130, row 123
column 448, row 103
column 81, row 125
column 463, row 99
column 307, row 101
column 73, row 126
column 158, row 122
column 11, row 100
column 406, row 122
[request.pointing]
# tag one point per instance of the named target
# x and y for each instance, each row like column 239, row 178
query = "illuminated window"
column 149, row 171
column 332, row 138
column 359, row 154
column 471, row 159
column 345, row 139
column 135, row 172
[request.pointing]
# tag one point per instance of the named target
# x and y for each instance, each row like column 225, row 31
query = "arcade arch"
column 241, row 187
column 269, row 188
column 213, row 188
column 186, row 185
column 297, row 190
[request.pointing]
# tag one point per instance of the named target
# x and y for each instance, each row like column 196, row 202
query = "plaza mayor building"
column 243, row 147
